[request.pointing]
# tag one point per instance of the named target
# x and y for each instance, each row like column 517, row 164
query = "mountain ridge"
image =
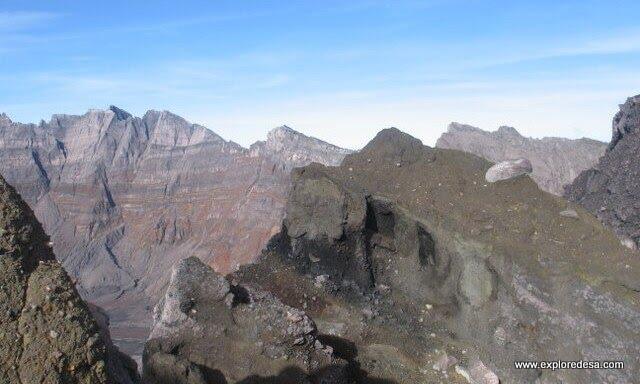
column 125, row 197
column 556, row 161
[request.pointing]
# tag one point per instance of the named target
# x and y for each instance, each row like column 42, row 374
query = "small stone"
column 500, row 335
column 294, row 317
column 628, row 242
column 53, row 334
column 570, row 213
column 444, row 362
column 480, row 374
column 320, row 280
column 463, row 372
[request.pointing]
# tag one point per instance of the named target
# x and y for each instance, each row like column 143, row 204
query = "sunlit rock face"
column 124, row 198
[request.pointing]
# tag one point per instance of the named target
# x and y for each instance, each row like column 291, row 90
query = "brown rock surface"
column 124, row 198
column 47, row 333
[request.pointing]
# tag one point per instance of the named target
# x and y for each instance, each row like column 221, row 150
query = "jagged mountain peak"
column 285, row 129
column 393, row 143
column 296, row 148
column 460, row 127
column 4, row 119
column 508, row 131
column 626, row 121
column 286, row 133
column 121, row 114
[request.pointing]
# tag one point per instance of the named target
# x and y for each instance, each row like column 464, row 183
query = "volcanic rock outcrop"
column 611, row 189
column 407, row 259
column 47, row 333
column 556, row 161
column 207, row 330
column 124, row 198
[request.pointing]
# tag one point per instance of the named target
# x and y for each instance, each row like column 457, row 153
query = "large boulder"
column 207, row 330
column 508, row 169
column 611, row 189
column 47, row 333
column 405, row 252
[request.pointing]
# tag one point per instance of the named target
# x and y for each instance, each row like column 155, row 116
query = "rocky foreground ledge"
column 414, row 269
column 47, row 333
column 207, row 330
column 419, row 270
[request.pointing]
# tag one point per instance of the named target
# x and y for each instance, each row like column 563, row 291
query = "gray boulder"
column 208, row 330
column 508, row 169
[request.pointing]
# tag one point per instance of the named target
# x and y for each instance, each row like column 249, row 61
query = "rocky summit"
column 611, row 189
column 124, row 198
column 415, row 269
column 556, row 161
column 207, row 330
column 47, row 333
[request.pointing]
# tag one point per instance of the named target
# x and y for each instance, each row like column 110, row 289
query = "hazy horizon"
column 339, row 72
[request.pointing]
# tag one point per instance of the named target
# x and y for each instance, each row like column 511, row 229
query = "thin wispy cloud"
column 21, row 20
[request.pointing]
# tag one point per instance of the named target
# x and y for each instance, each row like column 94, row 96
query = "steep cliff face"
column 124, row 198
column 611, row 189
column 47, row 333
column 556, row 161
column 417, row 269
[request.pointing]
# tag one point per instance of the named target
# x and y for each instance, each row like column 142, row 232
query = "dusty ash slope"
column 406, row 258
column 556, row 161
column 124, row 198
column 611, row 189
column 47, row 333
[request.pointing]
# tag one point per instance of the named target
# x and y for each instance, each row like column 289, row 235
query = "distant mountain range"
column 556, row 161
column 124, row 198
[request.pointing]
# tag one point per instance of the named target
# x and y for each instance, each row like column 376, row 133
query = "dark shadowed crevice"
column 426, row 247
column 240, row 295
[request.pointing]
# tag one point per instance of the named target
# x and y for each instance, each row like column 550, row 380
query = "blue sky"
column 338, row 70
